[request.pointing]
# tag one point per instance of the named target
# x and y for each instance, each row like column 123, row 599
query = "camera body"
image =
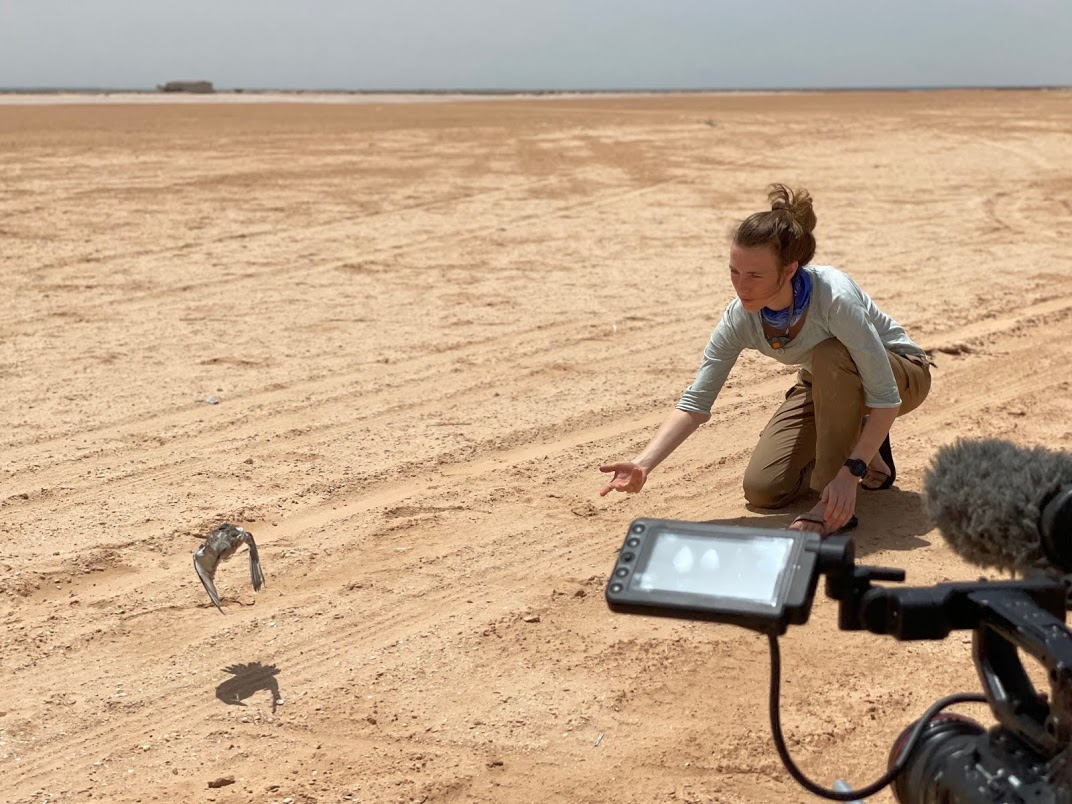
column 765, row 580
column 957, row 760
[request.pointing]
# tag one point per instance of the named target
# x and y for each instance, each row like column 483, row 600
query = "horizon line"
column 540, row 91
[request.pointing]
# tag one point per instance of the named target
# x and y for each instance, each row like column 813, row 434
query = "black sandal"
column 880, row 481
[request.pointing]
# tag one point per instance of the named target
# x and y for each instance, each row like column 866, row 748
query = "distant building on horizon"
column 186, row 86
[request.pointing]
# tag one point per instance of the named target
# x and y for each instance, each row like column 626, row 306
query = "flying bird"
column 219, row 546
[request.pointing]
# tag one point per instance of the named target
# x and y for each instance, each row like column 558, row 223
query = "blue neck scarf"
column 785, row 318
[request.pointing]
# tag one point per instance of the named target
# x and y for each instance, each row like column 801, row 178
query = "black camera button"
column 627, row 556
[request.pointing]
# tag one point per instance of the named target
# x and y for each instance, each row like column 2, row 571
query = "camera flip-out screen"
column 758, row 578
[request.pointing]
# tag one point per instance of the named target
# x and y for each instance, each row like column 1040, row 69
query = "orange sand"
column 427, row 324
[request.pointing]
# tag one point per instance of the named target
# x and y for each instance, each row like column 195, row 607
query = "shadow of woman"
column 248, row 679
column 889, row 520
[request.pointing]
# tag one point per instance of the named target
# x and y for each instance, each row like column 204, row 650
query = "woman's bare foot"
column 878, row 475
column 878, row 465
column 881, row 473
column 812, row 521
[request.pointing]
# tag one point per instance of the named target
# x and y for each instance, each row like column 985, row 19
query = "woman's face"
column 754, row 273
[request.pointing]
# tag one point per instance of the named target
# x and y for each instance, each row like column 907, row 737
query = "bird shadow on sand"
column 246, row 680
column 889, row 520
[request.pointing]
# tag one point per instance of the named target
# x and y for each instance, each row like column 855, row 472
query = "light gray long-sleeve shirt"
column 840, row 309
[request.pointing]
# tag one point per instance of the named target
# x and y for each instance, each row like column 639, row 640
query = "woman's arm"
column 879, row 422
column 721, row 352
column 630, row 476
column 679, row 425
column 839, row 496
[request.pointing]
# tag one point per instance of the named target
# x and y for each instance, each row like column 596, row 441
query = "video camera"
column 765, row 580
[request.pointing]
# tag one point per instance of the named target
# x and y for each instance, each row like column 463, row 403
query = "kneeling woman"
column 859, row 371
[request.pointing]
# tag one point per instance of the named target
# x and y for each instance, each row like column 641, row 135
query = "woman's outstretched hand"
column 628, row 477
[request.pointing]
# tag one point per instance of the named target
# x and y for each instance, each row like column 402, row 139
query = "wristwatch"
column 857, row 467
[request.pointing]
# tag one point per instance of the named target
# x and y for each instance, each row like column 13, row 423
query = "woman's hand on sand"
column 628, row 477
column 839, row 497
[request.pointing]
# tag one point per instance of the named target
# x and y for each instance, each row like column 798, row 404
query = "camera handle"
column 1013, row 619
column 1004, row 615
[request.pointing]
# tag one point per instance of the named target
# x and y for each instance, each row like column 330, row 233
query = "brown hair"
column 786, row 228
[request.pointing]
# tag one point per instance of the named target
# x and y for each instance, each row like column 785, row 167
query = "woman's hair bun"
column 796, row 202
column 789, row 236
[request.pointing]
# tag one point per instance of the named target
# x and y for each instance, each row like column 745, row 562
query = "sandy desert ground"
column 395, row 341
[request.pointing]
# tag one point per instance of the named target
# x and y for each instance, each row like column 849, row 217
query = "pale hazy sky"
column 535, row 44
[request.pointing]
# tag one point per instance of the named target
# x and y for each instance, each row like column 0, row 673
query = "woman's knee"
column 915, row 385
column 831, row 355
column 769, row 493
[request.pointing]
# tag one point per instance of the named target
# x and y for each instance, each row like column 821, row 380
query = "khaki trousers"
column 808, row 439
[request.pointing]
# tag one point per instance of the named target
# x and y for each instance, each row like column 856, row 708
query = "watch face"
column 857, row 467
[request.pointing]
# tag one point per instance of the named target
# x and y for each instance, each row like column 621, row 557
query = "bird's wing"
column 205, row 566
column 255, row 573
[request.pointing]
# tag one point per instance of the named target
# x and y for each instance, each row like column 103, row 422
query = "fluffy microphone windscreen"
column 986, row 498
